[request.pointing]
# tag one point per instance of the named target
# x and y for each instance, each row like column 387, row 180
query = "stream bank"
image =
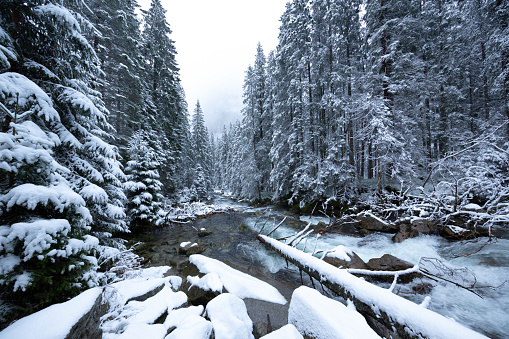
column 233, row 242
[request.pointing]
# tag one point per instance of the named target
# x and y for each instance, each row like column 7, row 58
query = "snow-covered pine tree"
column 143, row 185
column 167, row 119
column 201, row 154
column 117, row 42
column 45, row 246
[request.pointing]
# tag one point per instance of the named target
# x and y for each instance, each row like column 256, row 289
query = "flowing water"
column 466, row 263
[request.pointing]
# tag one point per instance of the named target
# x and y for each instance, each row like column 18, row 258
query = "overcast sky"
column 216, row 41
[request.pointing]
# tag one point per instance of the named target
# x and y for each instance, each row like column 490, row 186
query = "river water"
column 234, row 243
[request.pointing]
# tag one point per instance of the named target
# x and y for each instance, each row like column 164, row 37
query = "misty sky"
column 216, row 42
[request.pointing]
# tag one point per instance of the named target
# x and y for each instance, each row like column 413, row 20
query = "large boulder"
column 413, row 227
column 188, row 248
column 370, row 222
column 354, row 261
column 389, row 262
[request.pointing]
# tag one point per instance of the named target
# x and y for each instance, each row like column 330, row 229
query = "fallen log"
column 399, row 315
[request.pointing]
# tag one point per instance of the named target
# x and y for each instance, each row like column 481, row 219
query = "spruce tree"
column 201, row 155
column 143, row 185
column 167, row 117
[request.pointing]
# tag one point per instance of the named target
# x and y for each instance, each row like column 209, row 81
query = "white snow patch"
column 177, row 317
column 194, row 327
column 339, row 252
column 320, row 317
column 55, row 321
column 140, row 330
column 286, row 332
column 240, row 284
column 94, row 193
column 209, row 282
column 229, row 318
column 472, row 207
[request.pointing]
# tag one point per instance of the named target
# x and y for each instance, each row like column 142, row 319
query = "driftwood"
column 403, row 324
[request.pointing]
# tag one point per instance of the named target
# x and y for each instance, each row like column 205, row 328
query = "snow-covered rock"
column 53, row 322
column 286, row 332
column 235, row 282
column 192, row 326
column 229, row 317
column 320, row 317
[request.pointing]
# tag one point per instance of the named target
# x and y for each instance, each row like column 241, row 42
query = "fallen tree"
column 405, row 318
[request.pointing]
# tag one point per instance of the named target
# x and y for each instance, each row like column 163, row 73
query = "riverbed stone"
column 388, row 262
column 413, row 227
column 355, row 262
column 370, row 222
column 203, row 232
column 198, row 296
column 191, row 248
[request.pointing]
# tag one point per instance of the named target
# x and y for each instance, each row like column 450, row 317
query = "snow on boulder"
column 287, row 332
column 229, row 317
column 189, row 248
column 235, row 282
column 209, row 282
column 53, row 322
column 121, row 318
column 339, row 252
column 320, row 317
column 177, row 317
column 194, row 327
column 133, row 288
column 140, row 330
column 371, row 222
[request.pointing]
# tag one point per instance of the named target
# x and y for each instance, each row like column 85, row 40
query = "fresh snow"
column 141, row 330
column 194, row 327
column 402, row 311
column 472, row 207
column 229, row 317
column 177, row 317
column 14, row 86
column 339, row 252
column 53, row 322
column 286, row 332
column 321, row 317
column 209, row 282
column 237, row 283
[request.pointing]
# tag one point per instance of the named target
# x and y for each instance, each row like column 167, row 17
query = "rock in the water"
column 388, row 262
column 413, row 227
column 370, row 222
column 451, row 232
column 189, row 248
column 203, row 232
column 354, row 262
column 198, row 296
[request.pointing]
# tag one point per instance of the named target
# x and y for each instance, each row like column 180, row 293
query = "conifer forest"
column 387, row 110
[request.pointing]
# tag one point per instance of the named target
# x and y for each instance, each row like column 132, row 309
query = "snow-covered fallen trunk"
column 406, row 318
